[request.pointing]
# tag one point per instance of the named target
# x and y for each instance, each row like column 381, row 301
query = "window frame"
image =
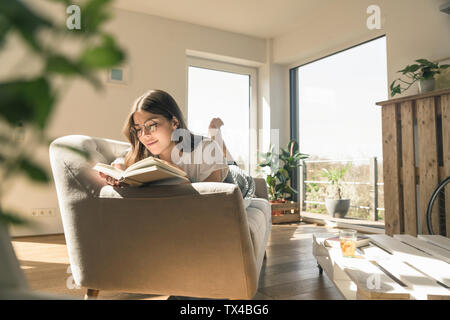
column 253, row 105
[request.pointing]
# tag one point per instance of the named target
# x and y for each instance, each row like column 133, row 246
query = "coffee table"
column 399, row 267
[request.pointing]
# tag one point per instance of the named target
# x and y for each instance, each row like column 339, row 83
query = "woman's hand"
column 110, row 180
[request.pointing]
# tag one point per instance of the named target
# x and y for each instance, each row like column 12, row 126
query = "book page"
column 151, row 161
column 149, row 174
column 111, row 171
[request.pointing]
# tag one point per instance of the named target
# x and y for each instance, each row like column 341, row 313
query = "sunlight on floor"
column 27, row 267
column 299, row 235
column 49, row 253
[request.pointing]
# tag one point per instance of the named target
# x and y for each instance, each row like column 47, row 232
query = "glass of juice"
column 347, row 239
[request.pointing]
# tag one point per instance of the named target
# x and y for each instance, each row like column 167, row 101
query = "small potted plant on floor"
column 278, row 180
column 423, row 71
column 336, row 206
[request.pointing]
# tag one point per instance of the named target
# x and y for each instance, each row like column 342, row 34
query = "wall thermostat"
column 118, row 75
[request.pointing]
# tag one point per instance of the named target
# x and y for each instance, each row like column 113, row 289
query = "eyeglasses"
column 148, row 127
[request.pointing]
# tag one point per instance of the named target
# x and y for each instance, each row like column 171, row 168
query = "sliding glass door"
column 337, row 122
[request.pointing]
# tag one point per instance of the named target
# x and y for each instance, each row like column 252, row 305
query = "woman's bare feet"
column 216, row 134
column 214, row 126
column 214, row 131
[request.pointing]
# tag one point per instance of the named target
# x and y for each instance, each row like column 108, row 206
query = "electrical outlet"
column 43, row 212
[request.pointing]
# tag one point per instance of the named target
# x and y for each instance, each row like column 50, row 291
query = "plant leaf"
column 411, row 68
column 428, row 74
column 5, row 26
column 38, row 92
column 25, row 101
column 284, row 153
column 14, row 106
column 61, row 64
column 424, row 62
column 82, row 153
column 300, row 156
column 103, row 56
column 7, row 218
column 94, row 13
column 33, row 171
column 25, row 21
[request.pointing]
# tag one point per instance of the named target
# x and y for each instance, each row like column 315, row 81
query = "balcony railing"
column 374, row 185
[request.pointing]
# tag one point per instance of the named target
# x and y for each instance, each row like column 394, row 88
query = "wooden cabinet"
column 416, row 157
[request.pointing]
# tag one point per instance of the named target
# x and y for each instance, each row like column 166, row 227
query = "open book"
column 148, row 170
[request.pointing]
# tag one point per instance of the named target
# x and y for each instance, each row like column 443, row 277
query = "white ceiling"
column 259, row 18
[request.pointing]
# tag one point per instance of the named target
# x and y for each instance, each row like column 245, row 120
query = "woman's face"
column 154, row 131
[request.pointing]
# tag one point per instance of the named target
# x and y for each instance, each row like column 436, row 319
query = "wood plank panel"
column 438, row 240
column 419, row 285
column 415, row 97
column 363, row 274
column 289, row 205
column 408, row 168
column 429, row 248
column 435, row 268
column 445, row 107
column 392, row 216
column 426, row 124
column 286, row 217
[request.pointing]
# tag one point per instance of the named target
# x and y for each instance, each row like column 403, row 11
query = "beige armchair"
column 194, row 240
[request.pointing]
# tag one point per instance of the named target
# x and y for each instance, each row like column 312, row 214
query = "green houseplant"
column 27, row 102
column 423, row 71
column 279, row 177
column 336, row 206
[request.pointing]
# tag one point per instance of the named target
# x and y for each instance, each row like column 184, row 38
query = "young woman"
column 155, row 127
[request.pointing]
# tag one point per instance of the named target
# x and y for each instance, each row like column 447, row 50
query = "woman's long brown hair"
column 157, row 102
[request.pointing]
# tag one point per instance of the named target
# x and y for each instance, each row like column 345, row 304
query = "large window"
column 337, row 121
column 338, row 117
column 218, row 90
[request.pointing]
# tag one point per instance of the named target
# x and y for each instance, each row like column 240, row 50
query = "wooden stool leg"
column 91, row 294
column 265, row 254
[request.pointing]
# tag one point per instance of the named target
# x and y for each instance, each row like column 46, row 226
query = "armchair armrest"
column 261, row 188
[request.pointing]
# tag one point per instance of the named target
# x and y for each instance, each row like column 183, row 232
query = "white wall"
column 156, row 50
column 272, row 115
column 413, row 28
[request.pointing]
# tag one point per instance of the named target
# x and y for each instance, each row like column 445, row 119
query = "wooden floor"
column 289, row 272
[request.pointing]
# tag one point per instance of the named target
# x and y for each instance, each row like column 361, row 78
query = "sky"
column 338, row 118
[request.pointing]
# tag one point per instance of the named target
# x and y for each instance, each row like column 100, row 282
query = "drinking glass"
column 347, row 239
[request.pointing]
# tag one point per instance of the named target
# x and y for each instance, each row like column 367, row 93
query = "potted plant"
column 278, row 180
column 336, row 206
column 422, row 71
column 27, row 102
